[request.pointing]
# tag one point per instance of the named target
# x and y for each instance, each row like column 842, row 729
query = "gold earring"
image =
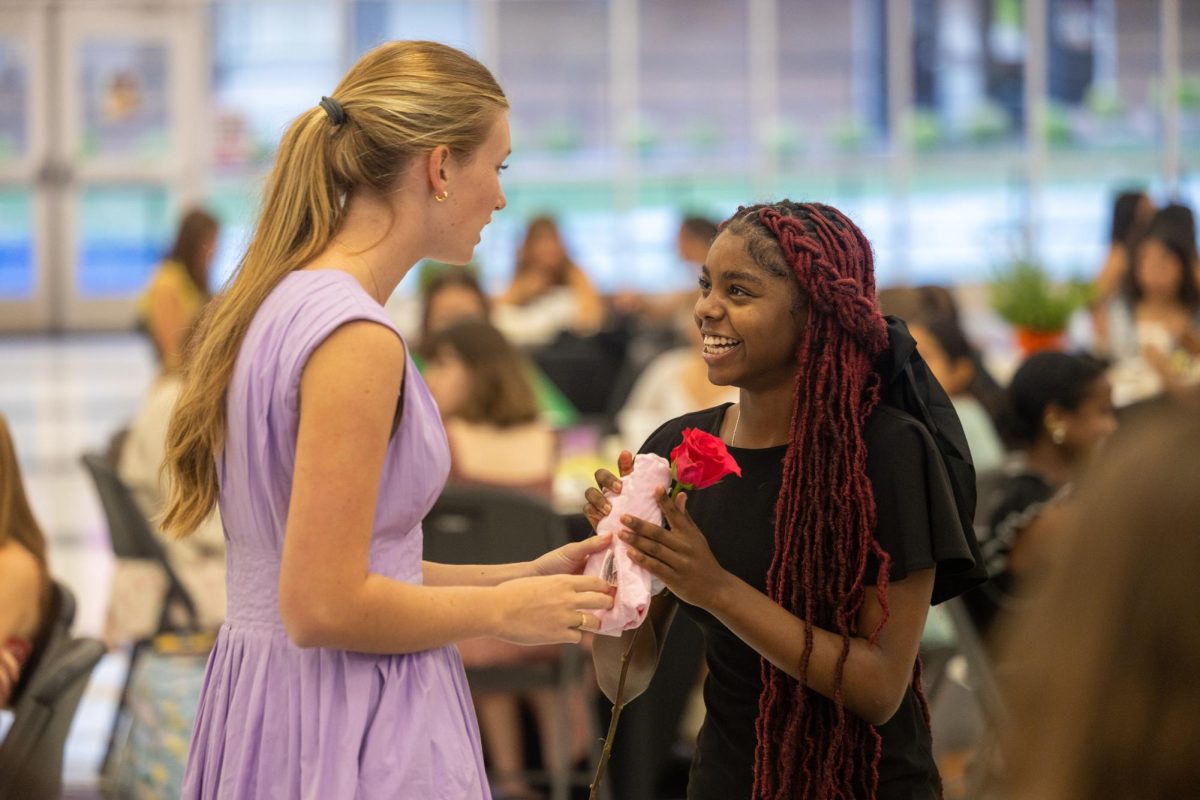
column 441, row 196
column 1059, row 434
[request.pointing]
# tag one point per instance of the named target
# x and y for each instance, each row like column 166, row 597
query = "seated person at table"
column 198, row 560
column 1132, row 213
column 1155, row 321
column 498, row 438
column 454, row 294
column 950, row 357
column 692, row 241
column 1061, row 411
column 179, row 289
column 24, row 579
column 549, row 293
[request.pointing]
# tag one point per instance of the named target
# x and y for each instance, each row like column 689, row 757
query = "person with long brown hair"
column 811, row 575
column 24, row 578
column 178, row 290
column 335, row 673
column 1100, row 666
column 549, row 292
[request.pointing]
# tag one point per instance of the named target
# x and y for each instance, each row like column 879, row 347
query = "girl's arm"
column 566, row 560
column 327, row 596
column 589, row 305
column 875, row 676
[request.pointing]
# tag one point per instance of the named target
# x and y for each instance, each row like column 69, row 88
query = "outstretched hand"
column 679, row 557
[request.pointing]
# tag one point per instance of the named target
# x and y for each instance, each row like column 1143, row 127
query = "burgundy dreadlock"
column 808, row 746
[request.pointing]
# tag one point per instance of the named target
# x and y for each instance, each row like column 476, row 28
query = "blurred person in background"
column 490, row 413
column 1103, row 693
column 549, row 293
column 951, row 358
column 25, row 584
column 1132, row 213
column 177, row 292
column 694, row 237
column 198, row 559
column 1153, row 327
column 452, row 295
column 1061, row 411
column 914, row 303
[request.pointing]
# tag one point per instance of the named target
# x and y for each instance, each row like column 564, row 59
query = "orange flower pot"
column 1031, row 341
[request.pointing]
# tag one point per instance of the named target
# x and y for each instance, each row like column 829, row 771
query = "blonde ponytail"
column 401, row 99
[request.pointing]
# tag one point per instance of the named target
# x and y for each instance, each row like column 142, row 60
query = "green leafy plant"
column 924, row 130
column 1024, row 296
column 989, row 123
column 1103, row 102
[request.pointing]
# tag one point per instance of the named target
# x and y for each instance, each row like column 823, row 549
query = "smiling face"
column 749, row 318
column 473, row 194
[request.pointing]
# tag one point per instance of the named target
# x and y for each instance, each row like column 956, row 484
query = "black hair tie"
column 333, row 108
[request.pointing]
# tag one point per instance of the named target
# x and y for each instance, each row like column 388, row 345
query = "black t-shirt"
column 917, row 525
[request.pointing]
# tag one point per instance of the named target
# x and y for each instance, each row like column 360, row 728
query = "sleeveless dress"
column 278, row 721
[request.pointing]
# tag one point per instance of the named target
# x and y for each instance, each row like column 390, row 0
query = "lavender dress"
column 276, row 721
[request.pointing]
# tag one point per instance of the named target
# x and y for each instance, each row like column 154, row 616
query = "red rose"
column 701, row 460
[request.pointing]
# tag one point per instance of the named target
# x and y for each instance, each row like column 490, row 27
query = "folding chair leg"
column 119, row 715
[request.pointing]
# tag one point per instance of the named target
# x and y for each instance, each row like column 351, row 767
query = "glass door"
column 24, row 289
column 131, row 86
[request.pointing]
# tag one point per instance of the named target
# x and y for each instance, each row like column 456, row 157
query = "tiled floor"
column 63, row 396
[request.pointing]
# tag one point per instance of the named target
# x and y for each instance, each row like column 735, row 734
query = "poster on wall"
column 125, row 95
column 14, row 102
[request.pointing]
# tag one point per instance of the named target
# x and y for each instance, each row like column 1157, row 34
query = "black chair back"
column 31, row 755
column 133, row 538
column 486, row 525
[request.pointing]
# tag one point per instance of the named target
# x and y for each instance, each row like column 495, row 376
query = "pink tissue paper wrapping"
column 635, row 585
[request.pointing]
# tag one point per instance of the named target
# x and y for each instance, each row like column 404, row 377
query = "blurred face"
column 691, row 249
column 474, row 193
column 1159, row 271
column 544, row 251
column 954, row 376
column 1092, row 422
column 451, row 303
column 449, row 381
column 747, row 318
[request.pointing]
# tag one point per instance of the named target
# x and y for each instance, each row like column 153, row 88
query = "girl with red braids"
column 812, row 574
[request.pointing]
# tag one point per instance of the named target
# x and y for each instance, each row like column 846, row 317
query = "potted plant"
column 1025, row 297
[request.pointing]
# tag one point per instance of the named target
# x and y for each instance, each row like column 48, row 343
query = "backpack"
column 909, row 385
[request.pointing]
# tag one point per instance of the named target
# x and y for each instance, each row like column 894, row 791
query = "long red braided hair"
column 808, row 745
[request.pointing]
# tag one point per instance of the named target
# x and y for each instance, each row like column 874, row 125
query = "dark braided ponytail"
column 808, row 746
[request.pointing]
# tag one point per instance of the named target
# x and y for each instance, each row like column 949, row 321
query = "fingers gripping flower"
column 699, row 461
